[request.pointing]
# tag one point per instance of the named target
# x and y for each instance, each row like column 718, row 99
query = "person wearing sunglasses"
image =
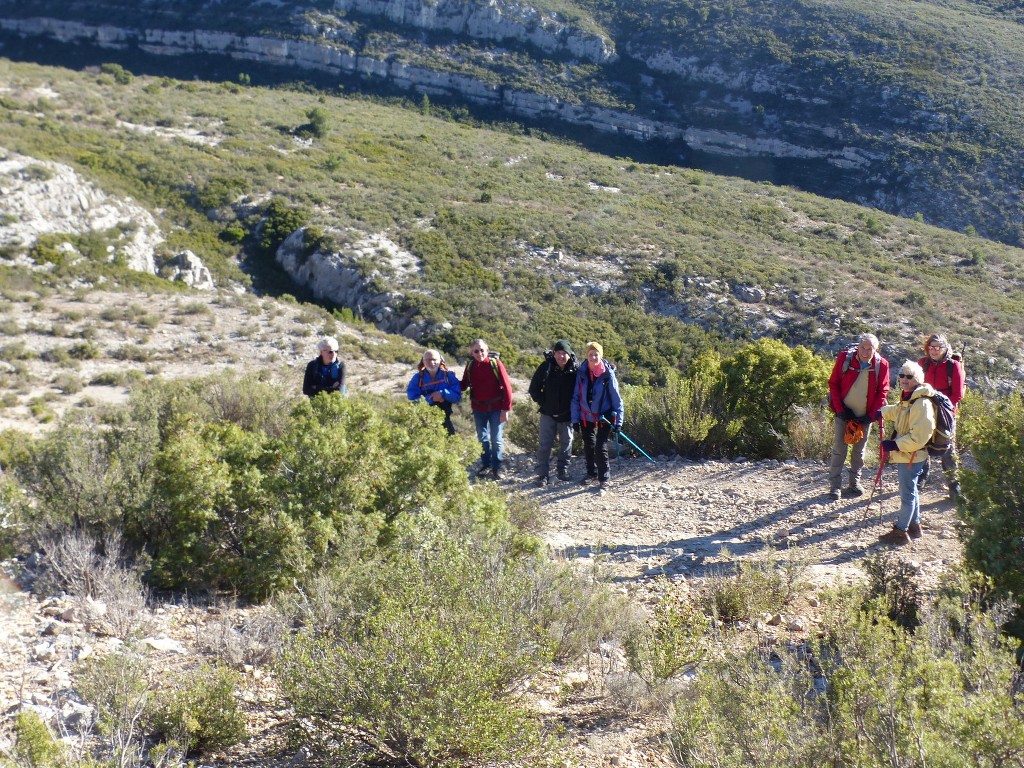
column 490, row 395
column 326, row 372
column 913, row 420
column 858, row 388
column 944, row 371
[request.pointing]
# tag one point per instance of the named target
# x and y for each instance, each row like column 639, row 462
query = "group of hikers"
column 858, row 396
column 583, row 397
column 572, row 396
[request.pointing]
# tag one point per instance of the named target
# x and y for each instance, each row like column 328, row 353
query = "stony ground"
column 660, row 526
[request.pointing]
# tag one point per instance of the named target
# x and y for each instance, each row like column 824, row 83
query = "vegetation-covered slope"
column 913, row 108
column 518, row 238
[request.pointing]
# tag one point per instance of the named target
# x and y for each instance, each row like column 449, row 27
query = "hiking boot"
column 954, row 491
column 563, row 475
column 914, row 530
column 897, row 537
column 496, row 473
column 853, row 492
column 834, row 495
column 541, row 481
column 485, row 469
column 602, row 486
column 587, row 479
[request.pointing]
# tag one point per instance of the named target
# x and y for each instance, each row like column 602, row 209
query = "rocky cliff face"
column 793, row 112
column 491, row 20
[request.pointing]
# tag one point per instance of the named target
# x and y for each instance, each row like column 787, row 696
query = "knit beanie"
column 562, row 346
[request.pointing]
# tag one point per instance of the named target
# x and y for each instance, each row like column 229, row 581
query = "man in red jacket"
column 945, row 372
column 490, row 394
column 857, row 390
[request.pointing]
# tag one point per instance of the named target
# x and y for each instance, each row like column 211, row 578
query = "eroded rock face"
column 189, row 269
column 363, row 277
column 491, row 20
column 44, row 198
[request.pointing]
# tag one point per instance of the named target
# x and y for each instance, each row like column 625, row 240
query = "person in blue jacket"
column 436, row 385
column 596, row 411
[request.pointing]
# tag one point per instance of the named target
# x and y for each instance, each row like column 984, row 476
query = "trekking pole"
column 626, row 438
column 883, row 459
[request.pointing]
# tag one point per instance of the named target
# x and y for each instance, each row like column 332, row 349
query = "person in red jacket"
column 944, row 370
column 490, row 394
column 857, row 389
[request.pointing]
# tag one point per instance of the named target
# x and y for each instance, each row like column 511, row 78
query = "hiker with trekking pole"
column 913, row 421
column 944, row 371
column 857, row 389
column 596, row 412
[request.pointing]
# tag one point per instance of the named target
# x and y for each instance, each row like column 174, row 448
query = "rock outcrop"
column 44, row 198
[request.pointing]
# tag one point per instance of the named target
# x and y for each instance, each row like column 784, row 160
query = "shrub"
column 891, row 583
column 867, row 693
column 809, row 433
column 35, row 746
column 992, row 495
column 672, row 641
column 524, row 426
column 763, row 383
column 119, row 688
column 679, row 417
column 748, row 588
column 200, row 712
column 422, row 668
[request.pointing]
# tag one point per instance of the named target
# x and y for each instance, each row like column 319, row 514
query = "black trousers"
column 595, row 448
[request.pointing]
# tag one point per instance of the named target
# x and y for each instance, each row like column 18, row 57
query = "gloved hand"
column 847, row 414
column 889, row 445
column 863, row 420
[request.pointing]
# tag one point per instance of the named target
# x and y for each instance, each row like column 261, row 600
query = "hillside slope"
column 449, row 232
column 911, row 108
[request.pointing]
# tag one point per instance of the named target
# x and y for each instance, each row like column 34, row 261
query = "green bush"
column 992, row 495
column 200, row 711
column 674, row 640
column 35, row 746
column 422, row 664
column 764, row 382
column 743, row 589
column 867, row 694
column 680, row 416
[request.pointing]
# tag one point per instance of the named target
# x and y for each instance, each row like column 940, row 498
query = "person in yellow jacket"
column 913, row 420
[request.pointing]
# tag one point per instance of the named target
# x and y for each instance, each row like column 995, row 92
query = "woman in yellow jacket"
column 913, row 418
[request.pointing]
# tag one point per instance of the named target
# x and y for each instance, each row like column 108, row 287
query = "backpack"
column 945, row 425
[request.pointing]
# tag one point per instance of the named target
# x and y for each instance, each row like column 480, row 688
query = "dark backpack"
column 945, row 425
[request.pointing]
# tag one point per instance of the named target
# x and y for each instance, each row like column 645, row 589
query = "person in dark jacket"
column 552, row 387
column 490, row 395
column 596, row 411
column 944, row 371
column 435, row 384
column 857, row 390
column 325, row 373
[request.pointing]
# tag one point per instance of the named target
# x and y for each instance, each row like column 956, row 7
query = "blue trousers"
column 489, row 431
column 910, row 501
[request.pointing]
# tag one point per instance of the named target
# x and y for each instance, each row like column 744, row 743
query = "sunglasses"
column 906, row 376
